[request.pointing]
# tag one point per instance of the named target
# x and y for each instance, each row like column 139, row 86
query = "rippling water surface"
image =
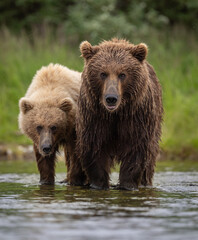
column 168, row 210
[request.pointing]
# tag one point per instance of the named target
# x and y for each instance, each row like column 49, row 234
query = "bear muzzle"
column 111, row 101
column 46, row 148
column 111, row 94
column 46, row 143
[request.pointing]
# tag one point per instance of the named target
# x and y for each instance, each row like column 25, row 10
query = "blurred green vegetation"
column 94, row 20
column 35, row 33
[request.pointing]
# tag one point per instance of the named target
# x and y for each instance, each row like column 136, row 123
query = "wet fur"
column 130, row 135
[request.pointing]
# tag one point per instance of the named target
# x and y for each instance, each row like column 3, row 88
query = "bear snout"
column 111, row 94
column 111, row 99
column 46, row 148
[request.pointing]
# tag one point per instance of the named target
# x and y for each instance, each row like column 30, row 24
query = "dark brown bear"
column 119, row 116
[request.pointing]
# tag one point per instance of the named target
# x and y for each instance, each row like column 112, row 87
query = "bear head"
column 115, row 72
column 45, row 124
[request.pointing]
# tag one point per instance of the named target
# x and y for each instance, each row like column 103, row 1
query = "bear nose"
column 111, row 99
column 47, row 148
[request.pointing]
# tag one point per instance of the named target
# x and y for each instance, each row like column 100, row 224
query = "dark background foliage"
column 81, row 18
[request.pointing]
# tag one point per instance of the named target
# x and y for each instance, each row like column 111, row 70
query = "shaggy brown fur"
column 119, row 116
column 47, row 116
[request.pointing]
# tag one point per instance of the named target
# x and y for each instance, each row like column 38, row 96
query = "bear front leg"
column 131, row 171
column 97, row 169
column 147, row 178
column 75, row 175
column 46, row 167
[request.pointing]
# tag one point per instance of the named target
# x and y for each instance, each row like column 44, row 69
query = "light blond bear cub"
column 47, row 116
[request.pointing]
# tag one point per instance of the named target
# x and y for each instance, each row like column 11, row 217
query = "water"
column 168, row 210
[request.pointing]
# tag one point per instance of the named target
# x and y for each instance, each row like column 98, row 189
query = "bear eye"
column 53, row 128
column 39, row 128
column 103, row 75
column 122, row 76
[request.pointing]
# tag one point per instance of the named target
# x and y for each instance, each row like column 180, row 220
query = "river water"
column 167, row 211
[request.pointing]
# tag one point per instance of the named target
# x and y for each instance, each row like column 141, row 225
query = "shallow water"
column 168, row 210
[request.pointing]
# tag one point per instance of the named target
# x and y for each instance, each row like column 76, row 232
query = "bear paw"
column 44, row 182
column 128, row 186
column 64, row 181
column 94, row 186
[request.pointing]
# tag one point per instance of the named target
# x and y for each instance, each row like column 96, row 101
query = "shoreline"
column 12, row 152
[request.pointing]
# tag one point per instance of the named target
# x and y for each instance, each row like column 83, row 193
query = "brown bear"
column 47, row 116
column 119, row 116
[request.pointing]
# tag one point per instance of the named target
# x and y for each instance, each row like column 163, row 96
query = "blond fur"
column 51, row 102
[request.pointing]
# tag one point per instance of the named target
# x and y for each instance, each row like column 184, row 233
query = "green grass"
column 174, row 56
column 176, row 65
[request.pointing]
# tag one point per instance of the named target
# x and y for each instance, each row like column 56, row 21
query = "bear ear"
column 140, row 51
column 25, row 105
column 66, row 105
column 87, row 50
